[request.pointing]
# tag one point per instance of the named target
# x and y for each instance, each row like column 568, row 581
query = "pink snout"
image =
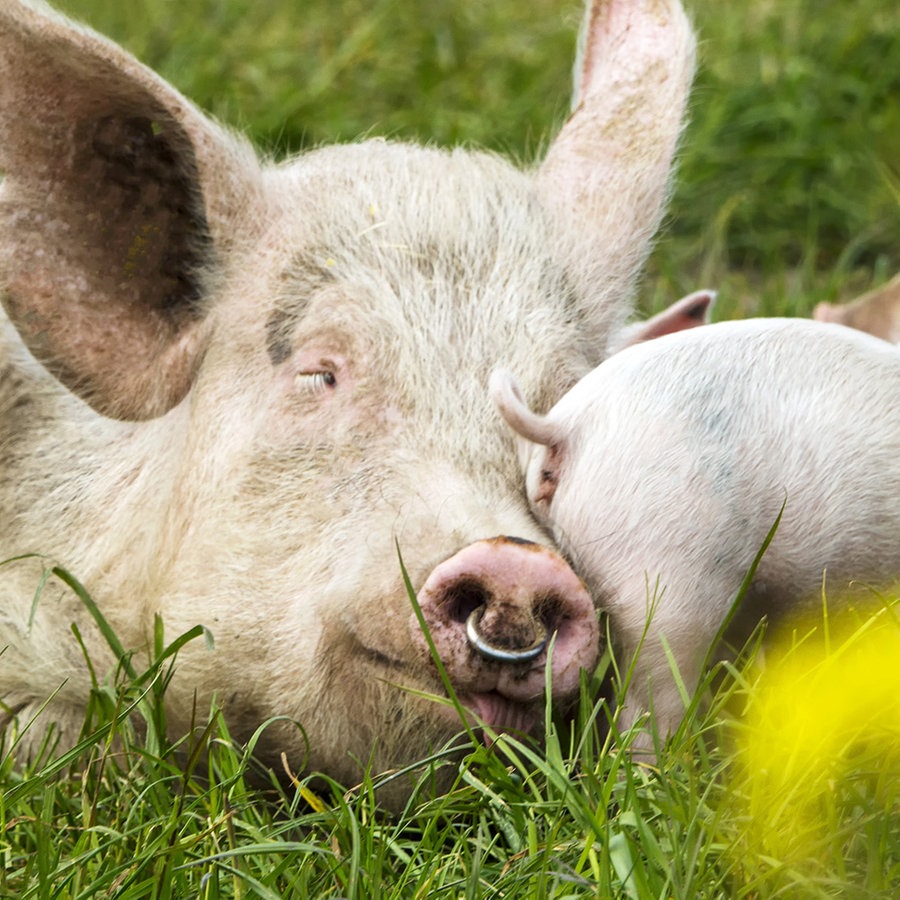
column 493, row 611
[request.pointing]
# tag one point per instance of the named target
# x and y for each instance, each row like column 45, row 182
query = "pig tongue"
column 501, row 714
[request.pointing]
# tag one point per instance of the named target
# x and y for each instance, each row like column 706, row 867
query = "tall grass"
column 788, row 193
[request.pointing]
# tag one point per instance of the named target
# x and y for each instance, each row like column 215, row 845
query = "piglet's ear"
column 117, row 201
column 688, row 312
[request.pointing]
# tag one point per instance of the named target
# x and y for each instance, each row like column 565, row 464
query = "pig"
column 231, row 389
column 661, row 473
column 877, row 312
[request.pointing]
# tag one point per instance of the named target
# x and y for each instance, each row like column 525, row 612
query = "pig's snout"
column 495, row 609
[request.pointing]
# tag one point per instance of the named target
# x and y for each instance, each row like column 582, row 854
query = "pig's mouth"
column 501, row 714
column 491, row 708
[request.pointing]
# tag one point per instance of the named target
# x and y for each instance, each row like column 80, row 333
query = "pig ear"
column 688, row 312
column 826, row 312
column 115, row 202
column 609, row 166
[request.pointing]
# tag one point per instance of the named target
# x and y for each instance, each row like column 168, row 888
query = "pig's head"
column 295, row 357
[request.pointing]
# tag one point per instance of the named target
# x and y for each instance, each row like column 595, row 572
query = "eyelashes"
column 318, row 373
column 319, row 381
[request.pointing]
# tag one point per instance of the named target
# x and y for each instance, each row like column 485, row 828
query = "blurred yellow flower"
column 819, row 750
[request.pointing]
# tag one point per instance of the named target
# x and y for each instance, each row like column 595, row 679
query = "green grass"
column 788, row 193
column 127, row 814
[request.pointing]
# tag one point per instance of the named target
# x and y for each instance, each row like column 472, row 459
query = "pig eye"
column 317, row 382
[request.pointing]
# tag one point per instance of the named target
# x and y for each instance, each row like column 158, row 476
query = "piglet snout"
column 493, row 611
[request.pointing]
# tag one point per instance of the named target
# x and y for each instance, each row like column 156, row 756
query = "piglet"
column 661, row 473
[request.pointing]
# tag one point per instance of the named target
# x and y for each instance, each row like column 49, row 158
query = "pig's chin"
column 500, row 714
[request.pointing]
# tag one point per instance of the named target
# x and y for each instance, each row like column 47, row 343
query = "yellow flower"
column 819, row 751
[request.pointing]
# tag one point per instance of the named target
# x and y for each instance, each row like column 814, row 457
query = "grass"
column 788, row 193
column 760, row 795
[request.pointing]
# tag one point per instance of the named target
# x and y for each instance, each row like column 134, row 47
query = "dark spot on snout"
column 517, row 540
column 507, row 626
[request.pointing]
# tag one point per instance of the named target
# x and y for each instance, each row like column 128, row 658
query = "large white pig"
column 229, row 387
column 661, row 473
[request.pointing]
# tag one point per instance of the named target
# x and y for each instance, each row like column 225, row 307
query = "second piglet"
column 662, row 471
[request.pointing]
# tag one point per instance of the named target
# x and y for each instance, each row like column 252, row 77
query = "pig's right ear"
column 116, row 201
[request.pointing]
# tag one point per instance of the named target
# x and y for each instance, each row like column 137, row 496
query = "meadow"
column 781, row 782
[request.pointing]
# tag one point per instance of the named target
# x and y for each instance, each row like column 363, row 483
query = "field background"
column 789, row 193
column 789, row 185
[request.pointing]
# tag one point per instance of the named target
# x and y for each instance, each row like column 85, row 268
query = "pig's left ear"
column 688, row 312
column 605, row 178
column 118, row 199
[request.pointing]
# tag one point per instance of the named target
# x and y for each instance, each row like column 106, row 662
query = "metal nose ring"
column 532, row 651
